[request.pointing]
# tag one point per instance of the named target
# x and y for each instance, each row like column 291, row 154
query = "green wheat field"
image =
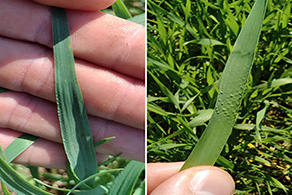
column 188, row 45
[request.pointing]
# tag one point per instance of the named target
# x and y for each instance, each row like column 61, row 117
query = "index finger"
column 97, row 37
column 157, row 173
column 166, row 179
column 89, row 5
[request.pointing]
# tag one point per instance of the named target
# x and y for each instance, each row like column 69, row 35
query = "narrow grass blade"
column 166, row 91
column 232, row 86
column 76, row 134
column 98, row 190
column 211, row 42
column 73, row 190
column 141, row 190
column 16, row 183
column 2, row 153
column 174, row 18
column 278, row 184
column 5, row 190
column 225, row 163
column 276, row 83
column 103, row 141
column 127, row 179
column 121, row 10
column 110, row 160
column 35, row 174
column 202, row 117
column 252, row 126
column 286, row 13
column 39, row 182
column 34, row 171
column 260, row 116
column 19, row 145
column 186, row 105
column 154, row 108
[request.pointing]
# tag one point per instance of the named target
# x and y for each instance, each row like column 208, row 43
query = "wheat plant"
column 190, row 43
column 84, row 175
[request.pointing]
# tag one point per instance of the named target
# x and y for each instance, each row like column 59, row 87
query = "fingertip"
column 198, row 180
column 88, row 5
column 212, row 181
column 157, row 173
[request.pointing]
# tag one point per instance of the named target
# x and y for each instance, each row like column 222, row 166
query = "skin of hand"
column 110, row 66
column 165, row 178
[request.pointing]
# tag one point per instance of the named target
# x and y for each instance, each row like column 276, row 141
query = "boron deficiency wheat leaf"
column 76, row 134
column 126, row 180
column 232, row 86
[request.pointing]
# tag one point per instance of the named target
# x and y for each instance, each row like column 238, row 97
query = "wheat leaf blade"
column 126, row 180
column 76, row 134
column 19, row 145
column 121, row 10
column 16, row 183
column 232, row 86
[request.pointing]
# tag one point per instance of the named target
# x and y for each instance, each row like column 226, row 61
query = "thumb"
column 201, row 180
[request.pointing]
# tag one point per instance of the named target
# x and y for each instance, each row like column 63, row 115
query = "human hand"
column 110, row 68
column 165, row 178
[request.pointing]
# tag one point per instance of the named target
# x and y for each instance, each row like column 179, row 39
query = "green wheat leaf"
column 103, row 141
column 232, row 86
column 121, row 10
column 16, row 183
column 141, row 190
column 19, row 145
column 127, row 179
column 76, row 134
column 99, row 190
column 5, row 190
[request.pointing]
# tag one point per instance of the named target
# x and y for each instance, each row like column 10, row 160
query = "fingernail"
column 211, row 182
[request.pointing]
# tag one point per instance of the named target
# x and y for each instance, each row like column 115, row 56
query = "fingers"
column 89, row 5
column 195, row 180
column 41, row 153
column 29, row 68
column 97, row 37
column 157, row 173
column 25, row 113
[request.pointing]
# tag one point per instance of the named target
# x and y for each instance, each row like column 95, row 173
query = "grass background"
column 188, row 46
